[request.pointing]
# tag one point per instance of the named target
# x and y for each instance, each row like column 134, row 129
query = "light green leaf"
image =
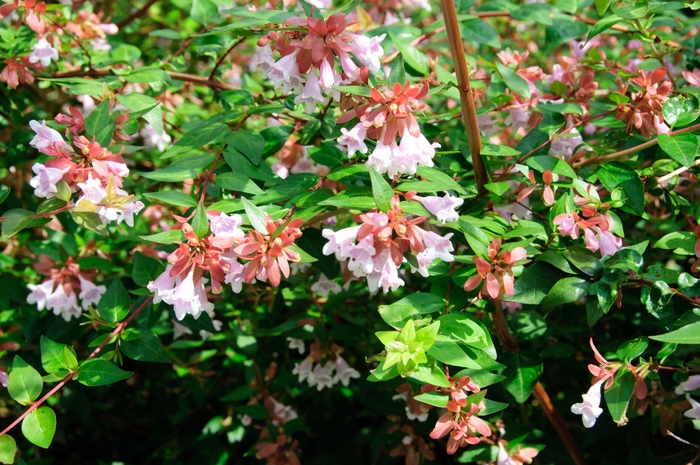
column 688, row 334
column 204, row 12
column 480, row 31
column 682, row 148
column 237, row 182
column 618, row 396
column 8, row 449
column 436, row 399
column 98, row 118
column 410, row 308
column 411, row 55
column 165, row 237
column 381, row 190
column 24, row 383
column 200, row 222
column 15, row 221
column 256, row 216
column 57, row 357
column 98, row 372
column 40, row 426
column 177, row 198
column 566, row 290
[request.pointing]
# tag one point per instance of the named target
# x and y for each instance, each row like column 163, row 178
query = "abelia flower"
column 297, row 344
column 269, row 257
column 461, row 426
column 589, row 409
column 15, row 73
column 691, row 384
column 90, row 294
column 694, row 411
column 443, row 208
column 692, row 78
column 64, row 304
column 596, row 228
column 110, row 204
column 496, row 274
column 322, row 376
column 43, row 52
column 645, row 110
column 46, row 140
column 40, row 293
column 547, row 196
column 44, row 183
column 563, row 146
column 415, row 410
column 605, row 370
column 279, row 413
column 324, row 287
column 354, row 139
column 515, row 457
column 377, row 248
column 152, row 139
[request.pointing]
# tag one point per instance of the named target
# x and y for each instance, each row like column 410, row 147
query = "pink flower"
column 311, row 95
column 304, row 370
column 354, row 139
column 694, row 411
column 63, row 304
column 589, row 409
column 46, row 140
column 343, row 371
column 322, row 376
column 496, row 275
column 297, row 344
column 444, row 208
column 591, row 223
column 43, row 52
column 44, row 183
column 368, row 51
column 692, row 384
column 692, row 78
column 324, row 287
column 40, row 293
column 90, row 294
column 15, row 73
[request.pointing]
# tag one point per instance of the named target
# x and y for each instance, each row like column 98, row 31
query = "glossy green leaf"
column 436, row 399
column 381, row 190
column 98, row 118
column 256, row 216
column 24, row 383
column 544, row 163
column 249, row 143
column 602, row 26
column 138, row 103
column 200, row 222
column 451, row 353
column 8, row 449
column 410, row 307
column 142, row 345
column 682, row 148
column 630, row 9
column 688, row 334
column 411, row 55
column 40, row 426
column 184, row 169
column 237, row 183
column 15, row 221
column 515, row 82
column 398, row 71
column 617, row 174
column 618, row 396
column 165, row 237
column 145, row 269
column 114, row 304
column 630, row 350
column 204, row 12
column 566, row 290
column 523, row 370
column 57, row 357
column 479, row 30
column 177, row 198
column 98, row 372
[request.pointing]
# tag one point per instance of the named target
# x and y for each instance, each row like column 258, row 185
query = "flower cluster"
column 444, row 208
column 312, row 51
column 496, row 274
column 315, row 372
column 645, row 111
column 87, row 167
column 460, row 420
column 182, row 284
column 384, row 117
column 596, row 229
column 377, row 247
column 65, row 285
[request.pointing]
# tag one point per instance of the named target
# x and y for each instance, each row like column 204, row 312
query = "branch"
column 222, row 57
column 136, row 14
column 506, row 337
column 120, row 327
column 664, row 179
column 466, row 95
column 193, row 78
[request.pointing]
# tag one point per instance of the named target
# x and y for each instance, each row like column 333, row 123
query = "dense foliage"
column 372, row 231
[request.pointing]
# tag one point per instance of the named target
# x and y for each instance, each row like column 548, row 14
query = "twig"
column 663, row 179
column 136, row 14
column 223, row 57
column 193, row 78
column 466, row 94
column 120, row 327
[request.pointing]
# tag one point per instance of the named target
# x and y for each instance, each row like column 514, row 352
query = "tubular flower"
column 496, row 273
column 589, row 409
column 312, row 51
column 269, row 255
column 377, row 247
column 645, row 110
column 386, row 116
column 596, row 229
column 15, row 73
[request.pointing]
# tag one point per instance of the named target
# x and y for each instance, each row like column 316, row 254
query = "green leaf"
column 24, row 383
column 523, row 370
column 200, row 222
column 381, row 190
column 183, row 169
column 138, row 103
column 602, row 6
column 618, row 396
column 436, row 399
column 630, row 10
column 142, row 345
column 165, row 237
column 498, row 150
column 632, row 349
column 515, row 82
column 492, row 406
column 442, row 180
column 498, row 188
column 98, row 372
column 98, row 118
column 481, row 377
column 583, row 259
column 467, row 329
column 177, row 198
column 534, row 283
column 411, row 55
column 89, row 220
column 237, row 183
column 398, row 71
column 249, row 143
column 480, row 31
column 39, row 427
column 602, row 26
column 431, row 375
column 15, row 221
column 126, row 54
column 204, row 12
column 355, row 90
column 145, row 269
column 566, row 290
column 451, row 353
column 617, row 174
column 149, row 76
column 682, row 241
column 538, row 12
column 410, row 308
column 688, row 334
column 114, row 304
column 558, row 166
column 256, row 216
column 682, row 148
column 57, row 357
column 8, row 449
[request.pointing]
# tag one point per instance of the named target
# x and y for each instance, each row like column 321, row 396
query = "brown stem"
column 504, row 334
column 558, row 424
column 136, row 14
column 623, row 153
column 120, row 327
column 466, row 95
column 199, row 80
column 223, row 57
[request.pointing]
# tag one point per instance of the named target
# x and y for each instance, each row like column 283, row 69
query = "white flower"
column 343, row 371
column 43, row 52
column 40, row 294
column 127, row 212
column 92, row 190
column 180, row 330
column 44, row 183
column 323, row 376
column 304, row 370
column 692, row 384
column 339, row 241
column 297, row 344
column 63, row 304
column 590, row 409
column 235, row 275
column 354, row 139
column 325, row 286
column 281, row 413
column 89, row 293
column 368, row 51
column 222, row 225
column 442, row 207
column 311, row 95
column 45, row 136
column 694, row 412
column 152, row 139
